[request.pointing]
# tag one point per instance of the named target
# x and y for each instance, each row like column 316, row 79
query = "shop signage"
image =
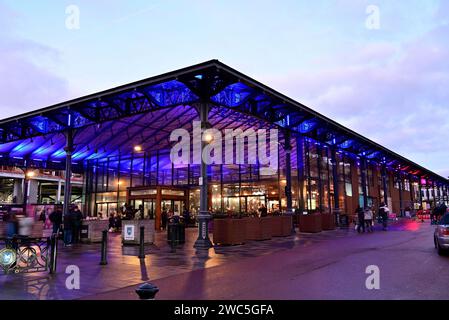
column 84, row 231
column 129, row 232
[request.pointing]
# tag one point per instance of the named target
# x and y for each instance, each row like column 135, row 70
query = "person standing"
column 383, row 214
column 360, row 219
column 42, row 216
column 12, row 224
column 164, row 218
column 77, row 221
column 56, row 218
column 368, row 217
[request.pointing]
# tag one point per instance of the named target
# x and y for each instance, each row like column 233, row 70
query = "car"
column 441, row 235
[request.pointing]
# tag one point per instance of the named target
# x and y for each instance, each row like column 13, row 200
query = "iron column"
column 384, row 182
column 204, row 216
column 288, row 177
column 68, row 171
column 335, row 182
column 363, row 176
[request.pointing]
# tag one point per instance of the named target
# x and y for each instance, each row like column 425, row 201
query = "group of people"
column 115, row 222
column 71, row 224
column 21, row 226
column 438, row 212
column 365, row 218
column 167, row 214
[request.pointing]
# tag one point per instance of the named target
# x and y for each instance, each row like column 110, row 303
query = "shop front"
column 154, row 200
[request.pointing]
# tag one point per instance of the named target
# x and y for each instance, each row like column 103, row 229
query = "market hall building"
column 113, row 147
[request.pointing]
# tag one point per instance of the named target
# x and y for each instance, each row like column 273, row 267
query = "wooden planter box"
column 229, row 231
column 259, row 228
column 281, row 226
column 328, row 221
column 310, row 223
column 131, row 231
column 2, row 229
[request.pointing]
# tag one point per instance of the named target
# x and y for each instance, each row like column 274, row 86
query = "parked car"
column 441, row 235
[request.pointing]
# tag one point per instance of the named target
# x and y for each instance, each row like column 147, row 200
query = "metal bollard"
column 104, row 248
column 142, row 243
column 147, row 291
column 174, row 231
column 53, row 253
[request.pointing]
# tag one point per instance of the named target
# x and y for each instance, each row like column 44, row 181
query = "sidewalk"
column 126, row 269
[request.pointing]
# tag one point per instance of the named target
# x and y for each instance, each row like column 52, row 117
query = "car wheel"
column 440, row 250
column 435, row 242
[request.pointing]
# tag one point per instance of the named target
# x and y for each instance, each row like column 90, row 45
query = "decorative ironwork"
column 24, row 255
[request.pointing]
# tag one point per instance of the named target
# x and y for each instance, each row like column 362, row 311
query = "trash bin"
column 176, row 230
column 344, row 221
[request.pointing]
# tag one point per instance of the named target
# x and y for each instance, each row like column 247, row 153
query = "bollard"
column 104, row 248
column 173, row 236
column 147, row 291
column 53, row 253
column 142, row 243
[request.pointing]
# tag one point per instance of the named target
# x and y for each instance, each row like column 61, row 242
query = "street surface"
column 328, row 265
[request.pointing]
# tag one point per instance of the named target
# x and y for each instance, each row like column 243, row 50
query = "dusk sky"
column 388, row 81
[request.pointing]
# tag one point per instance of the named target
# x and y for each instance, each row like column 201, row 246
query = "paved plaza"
column 328, row 265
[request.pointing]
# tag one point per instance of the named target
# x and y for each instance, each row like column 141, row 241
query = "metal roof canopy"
column 115, row 116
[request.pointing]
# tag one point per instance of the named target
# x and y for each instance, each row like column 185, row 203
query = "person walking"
column 56, row 219
column 383, row 214
column 12, row 225
column 360, row 219
column 368, row 217
column 77, row 221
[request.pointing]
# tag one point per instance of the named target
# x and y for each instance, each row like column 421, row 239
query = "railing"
column 24, row 254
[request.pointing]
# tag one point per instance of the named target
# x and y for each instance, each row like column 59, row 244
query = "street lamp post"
column 28, row 176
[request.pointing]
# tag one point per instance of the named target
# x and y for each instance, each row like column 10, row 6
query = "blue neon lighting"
column 233, row 95
column 307, row 126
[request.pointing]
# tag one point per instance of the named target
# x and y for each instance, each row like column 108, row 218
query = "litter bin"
column 176, row 230
column 344, row 221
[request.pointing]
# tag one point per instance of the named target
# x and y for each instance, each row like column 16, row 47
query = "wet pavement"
column 328, row 265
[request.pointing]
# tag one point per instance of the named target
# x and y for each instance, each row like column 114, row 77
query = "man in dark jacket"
column 360, row 219
column 56, row 218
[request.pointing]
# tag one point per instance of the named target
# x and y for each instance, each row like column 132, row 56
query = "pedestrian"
column 186, row 215
column 111, row 226
column 360, row 219
column 12, row 225
column 383, row 215
column 164, row 218
column 368, row 217
column 68, row 228
column 77, row 222
column 56, row 219
column 42, row 216
column 263, row 211
column 25, row 226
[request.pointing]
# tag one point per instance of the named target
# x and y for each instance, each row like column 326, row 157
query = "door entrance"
column 149, row 207
column 156, row 199
column 175, row 206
